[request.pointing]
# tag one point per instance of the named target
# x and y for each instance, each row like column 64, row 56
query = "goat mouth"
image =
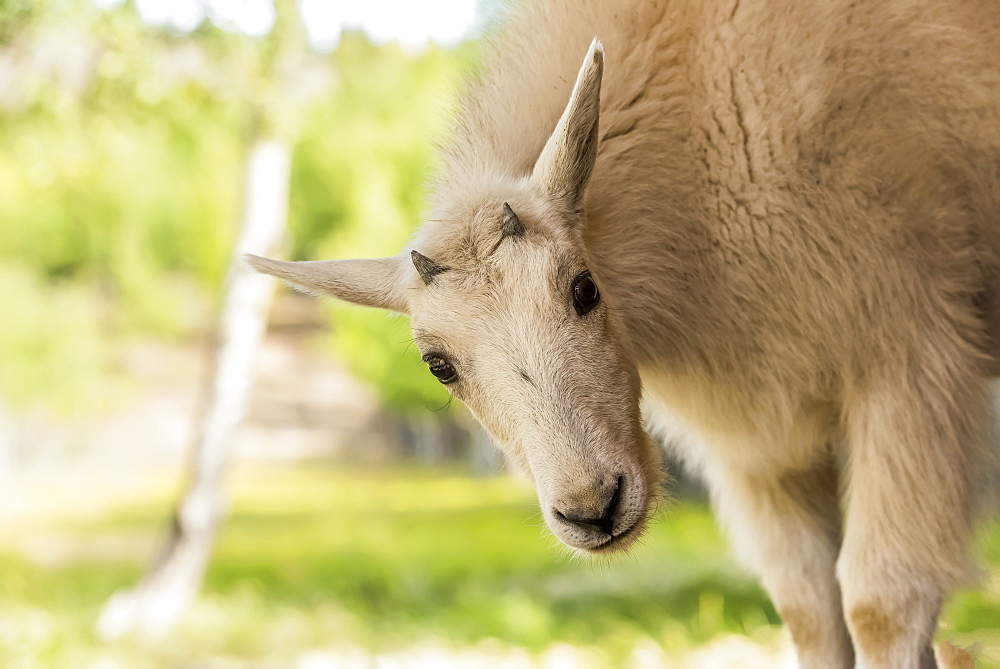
column 616, row 541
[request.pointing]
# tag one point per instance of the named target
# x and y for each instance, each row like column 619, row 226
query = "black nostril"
column 611, row 508
column 585, row 518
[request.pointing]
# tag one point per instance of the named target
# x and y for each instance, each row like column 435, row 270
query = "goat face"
column 526, row 339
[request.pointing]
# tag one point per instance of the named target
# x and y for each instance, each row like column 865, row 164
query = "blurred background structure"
column 368, row 521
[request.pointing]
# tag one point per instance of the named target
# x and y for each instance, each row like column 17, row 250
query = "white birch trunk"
column 152, row 607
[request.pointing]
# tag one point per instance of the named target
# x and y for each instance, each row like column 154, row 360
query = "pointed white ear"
column 371, row 283
column 565, row 164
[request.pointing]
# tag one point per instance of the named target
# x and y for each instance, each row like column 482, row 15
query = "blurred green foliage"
column 320, row 558
column 357, row 191
column 14, row 15
column 120, row 189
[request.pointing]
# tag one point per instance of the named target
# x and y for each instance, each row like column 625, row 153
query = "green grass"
column 318, row 557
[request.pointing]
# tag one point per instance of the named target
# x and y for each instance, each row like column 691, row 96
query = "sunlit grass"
column 319, row 558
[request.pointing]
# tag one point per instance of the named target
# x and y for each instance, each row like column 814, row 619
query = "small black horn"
column 426, row 268
column 511, row 226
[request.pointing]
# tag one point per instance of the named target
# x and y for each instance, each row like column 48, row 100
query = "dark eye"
column 585, row 293
column 441, row 368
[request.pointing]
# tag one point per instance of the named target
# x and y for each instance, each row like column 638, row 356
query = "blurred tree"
column 120, row 148
column 120, row 153
column 153, row 605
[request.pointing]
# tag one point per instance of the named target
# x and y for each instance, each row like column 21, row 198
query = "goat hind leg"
column 787, row 529
column 913, row 454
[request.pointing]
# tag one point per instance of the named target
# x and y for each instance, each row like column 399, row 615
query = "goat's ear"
column 371, row 283
column 563, row 169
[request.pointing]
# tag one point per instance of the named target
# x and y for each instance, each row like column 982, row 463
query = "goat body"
column 792, row 211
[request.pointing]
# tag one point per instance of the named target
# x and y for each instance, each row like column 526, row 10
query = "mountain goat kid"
column 775, row 225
